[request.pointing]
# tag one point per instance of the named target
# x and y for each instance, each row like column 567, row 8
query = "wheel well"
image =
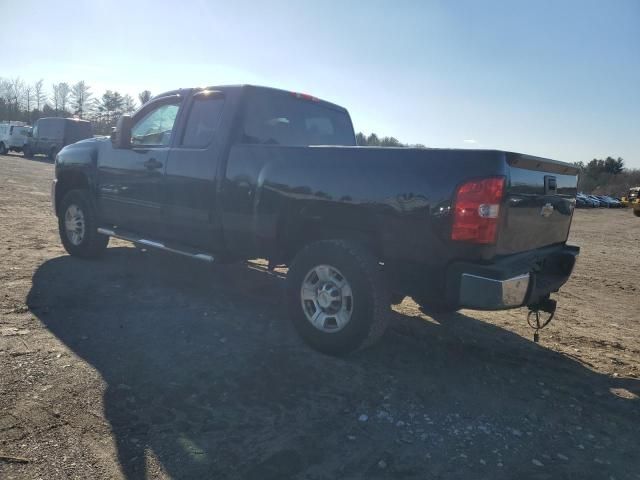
column 69, row 181
column 295, row 238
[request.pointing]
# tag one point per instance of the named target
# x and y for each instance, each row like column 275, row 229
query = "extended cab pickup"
column 240, row 172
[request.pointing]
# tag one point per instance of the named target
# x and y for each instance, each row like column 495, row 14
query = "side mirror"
column 121, row 135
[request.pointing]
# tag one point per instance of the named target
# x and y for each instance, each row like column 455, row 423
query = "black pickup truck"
column 240, row 172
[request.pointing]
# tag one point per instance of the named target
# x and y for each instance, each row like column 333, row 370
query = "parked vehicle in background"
column 13, row 136
column 591, row 202
column 607, row 202
column 613, row 202
column 631, row 197
column 584, row 201
column 597, row 202
column 581, row 202
column 51, row 134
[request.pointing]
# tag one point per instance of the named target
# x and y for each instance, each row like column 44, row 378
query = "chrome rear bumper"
column 488, row 293
column 513, row 281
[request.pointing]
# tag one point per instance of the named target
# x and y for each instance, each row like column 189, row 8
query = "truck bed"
column 402, row 196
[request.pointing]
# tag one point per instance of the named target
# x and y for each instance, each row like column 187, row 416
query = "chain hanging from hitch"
column 533, row 317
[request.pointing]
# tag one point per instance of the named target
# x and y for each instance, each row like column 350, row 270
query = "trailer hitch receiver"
column 545, row 305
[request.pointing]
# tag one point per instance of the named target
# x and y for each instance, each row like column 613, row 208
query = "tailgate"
column 538, row 205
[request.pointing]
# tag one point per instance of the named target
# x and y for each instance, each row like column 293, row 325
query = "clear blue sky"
column 553, row 78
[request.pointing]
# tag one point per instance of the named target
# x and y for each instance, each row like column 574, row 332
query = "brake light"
column 305, row 96
column 476, row 210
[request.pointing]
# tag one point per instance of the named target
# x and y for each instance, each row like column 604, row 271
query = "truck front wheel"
column 337, row 297
column 78, row 225
column 3, row 149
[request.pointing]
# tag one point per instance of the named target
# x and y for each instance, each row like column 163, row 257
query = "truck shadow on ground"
column 204, row 373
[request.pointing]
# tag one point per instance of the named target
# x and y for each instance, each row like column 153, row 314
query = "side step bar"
column 179, row 249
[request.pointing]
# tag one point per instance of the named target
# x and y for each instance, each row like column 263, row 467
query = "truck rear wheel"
column 26, row 152
column 78, row 225
column 337, row 297
column 3, row 149
column 636, row 212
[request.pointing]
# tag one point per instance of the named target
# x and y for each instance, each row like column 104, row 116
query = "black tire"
column 52, row 153
column 26, row 152
column 92, row 243
column 369, row 303
column 3, row 149
column 636, row 212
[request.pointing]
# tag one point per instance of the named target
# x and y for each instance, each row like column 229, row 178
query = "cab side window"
column 204, row 119
column 155, row 128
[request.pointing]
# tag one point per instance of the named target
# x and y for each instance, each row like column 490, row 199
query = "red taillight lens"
column 305, row 96
column 476, row 210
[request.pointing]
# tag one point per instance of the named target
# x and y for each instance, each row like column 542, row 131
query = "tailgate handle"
column 550, row 185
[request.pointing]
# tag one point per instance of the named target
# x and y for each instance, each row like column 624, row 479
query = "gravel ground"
column 144, row 365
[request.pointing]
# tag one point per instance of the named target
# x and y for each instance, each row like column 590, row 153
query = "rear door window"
column 204, row 119
column 281, row 118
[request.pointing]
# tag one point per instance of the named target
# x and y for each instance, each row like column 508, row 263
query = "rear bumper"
column 489, row 293
column 512, row 281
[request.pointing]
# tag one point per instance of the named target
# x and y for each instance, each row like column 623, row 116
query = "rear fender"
column 302, row 224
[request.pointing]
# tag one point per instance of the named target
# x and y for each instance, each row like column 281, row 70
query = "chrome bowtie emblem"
column 546, row 210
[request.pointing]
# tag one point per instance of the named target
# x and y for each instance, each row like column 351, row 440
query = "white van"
column 13, row 136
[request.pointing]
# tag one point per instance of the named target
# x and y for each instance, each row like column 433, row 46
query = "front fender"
column 76, row 167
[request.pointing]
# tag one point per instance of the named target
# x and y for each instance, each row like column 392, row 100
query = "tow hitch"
column 533, row 317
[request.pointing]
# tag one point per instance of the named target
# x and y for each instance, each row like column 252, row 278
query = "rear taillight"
column 476, row 210
column 305, row 96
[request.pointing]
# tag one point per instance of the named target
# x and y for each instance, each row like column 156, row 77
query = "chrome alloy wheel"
column 327, row 299
column 74, row 224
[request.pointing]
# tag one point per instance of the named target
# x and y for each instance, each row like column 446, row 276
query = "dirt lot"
column 143, row 365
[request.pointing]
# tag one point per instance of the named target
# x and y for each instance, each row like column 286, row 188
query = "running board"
column 179, row 249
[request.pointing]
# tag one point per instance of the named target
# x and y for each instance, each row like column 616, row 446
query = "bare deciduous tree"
column 80, row 95
column 39, row 95
column 55, row 97
column 65, row 92
column 144, row 96
column 28, row 96
column 128, row 104
column 17, row 93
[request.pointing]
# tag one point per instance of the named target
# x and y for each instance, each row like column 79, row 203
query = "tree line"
column 373, row 140
column 607, row 176
column 26, row 102
column 21, row 101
